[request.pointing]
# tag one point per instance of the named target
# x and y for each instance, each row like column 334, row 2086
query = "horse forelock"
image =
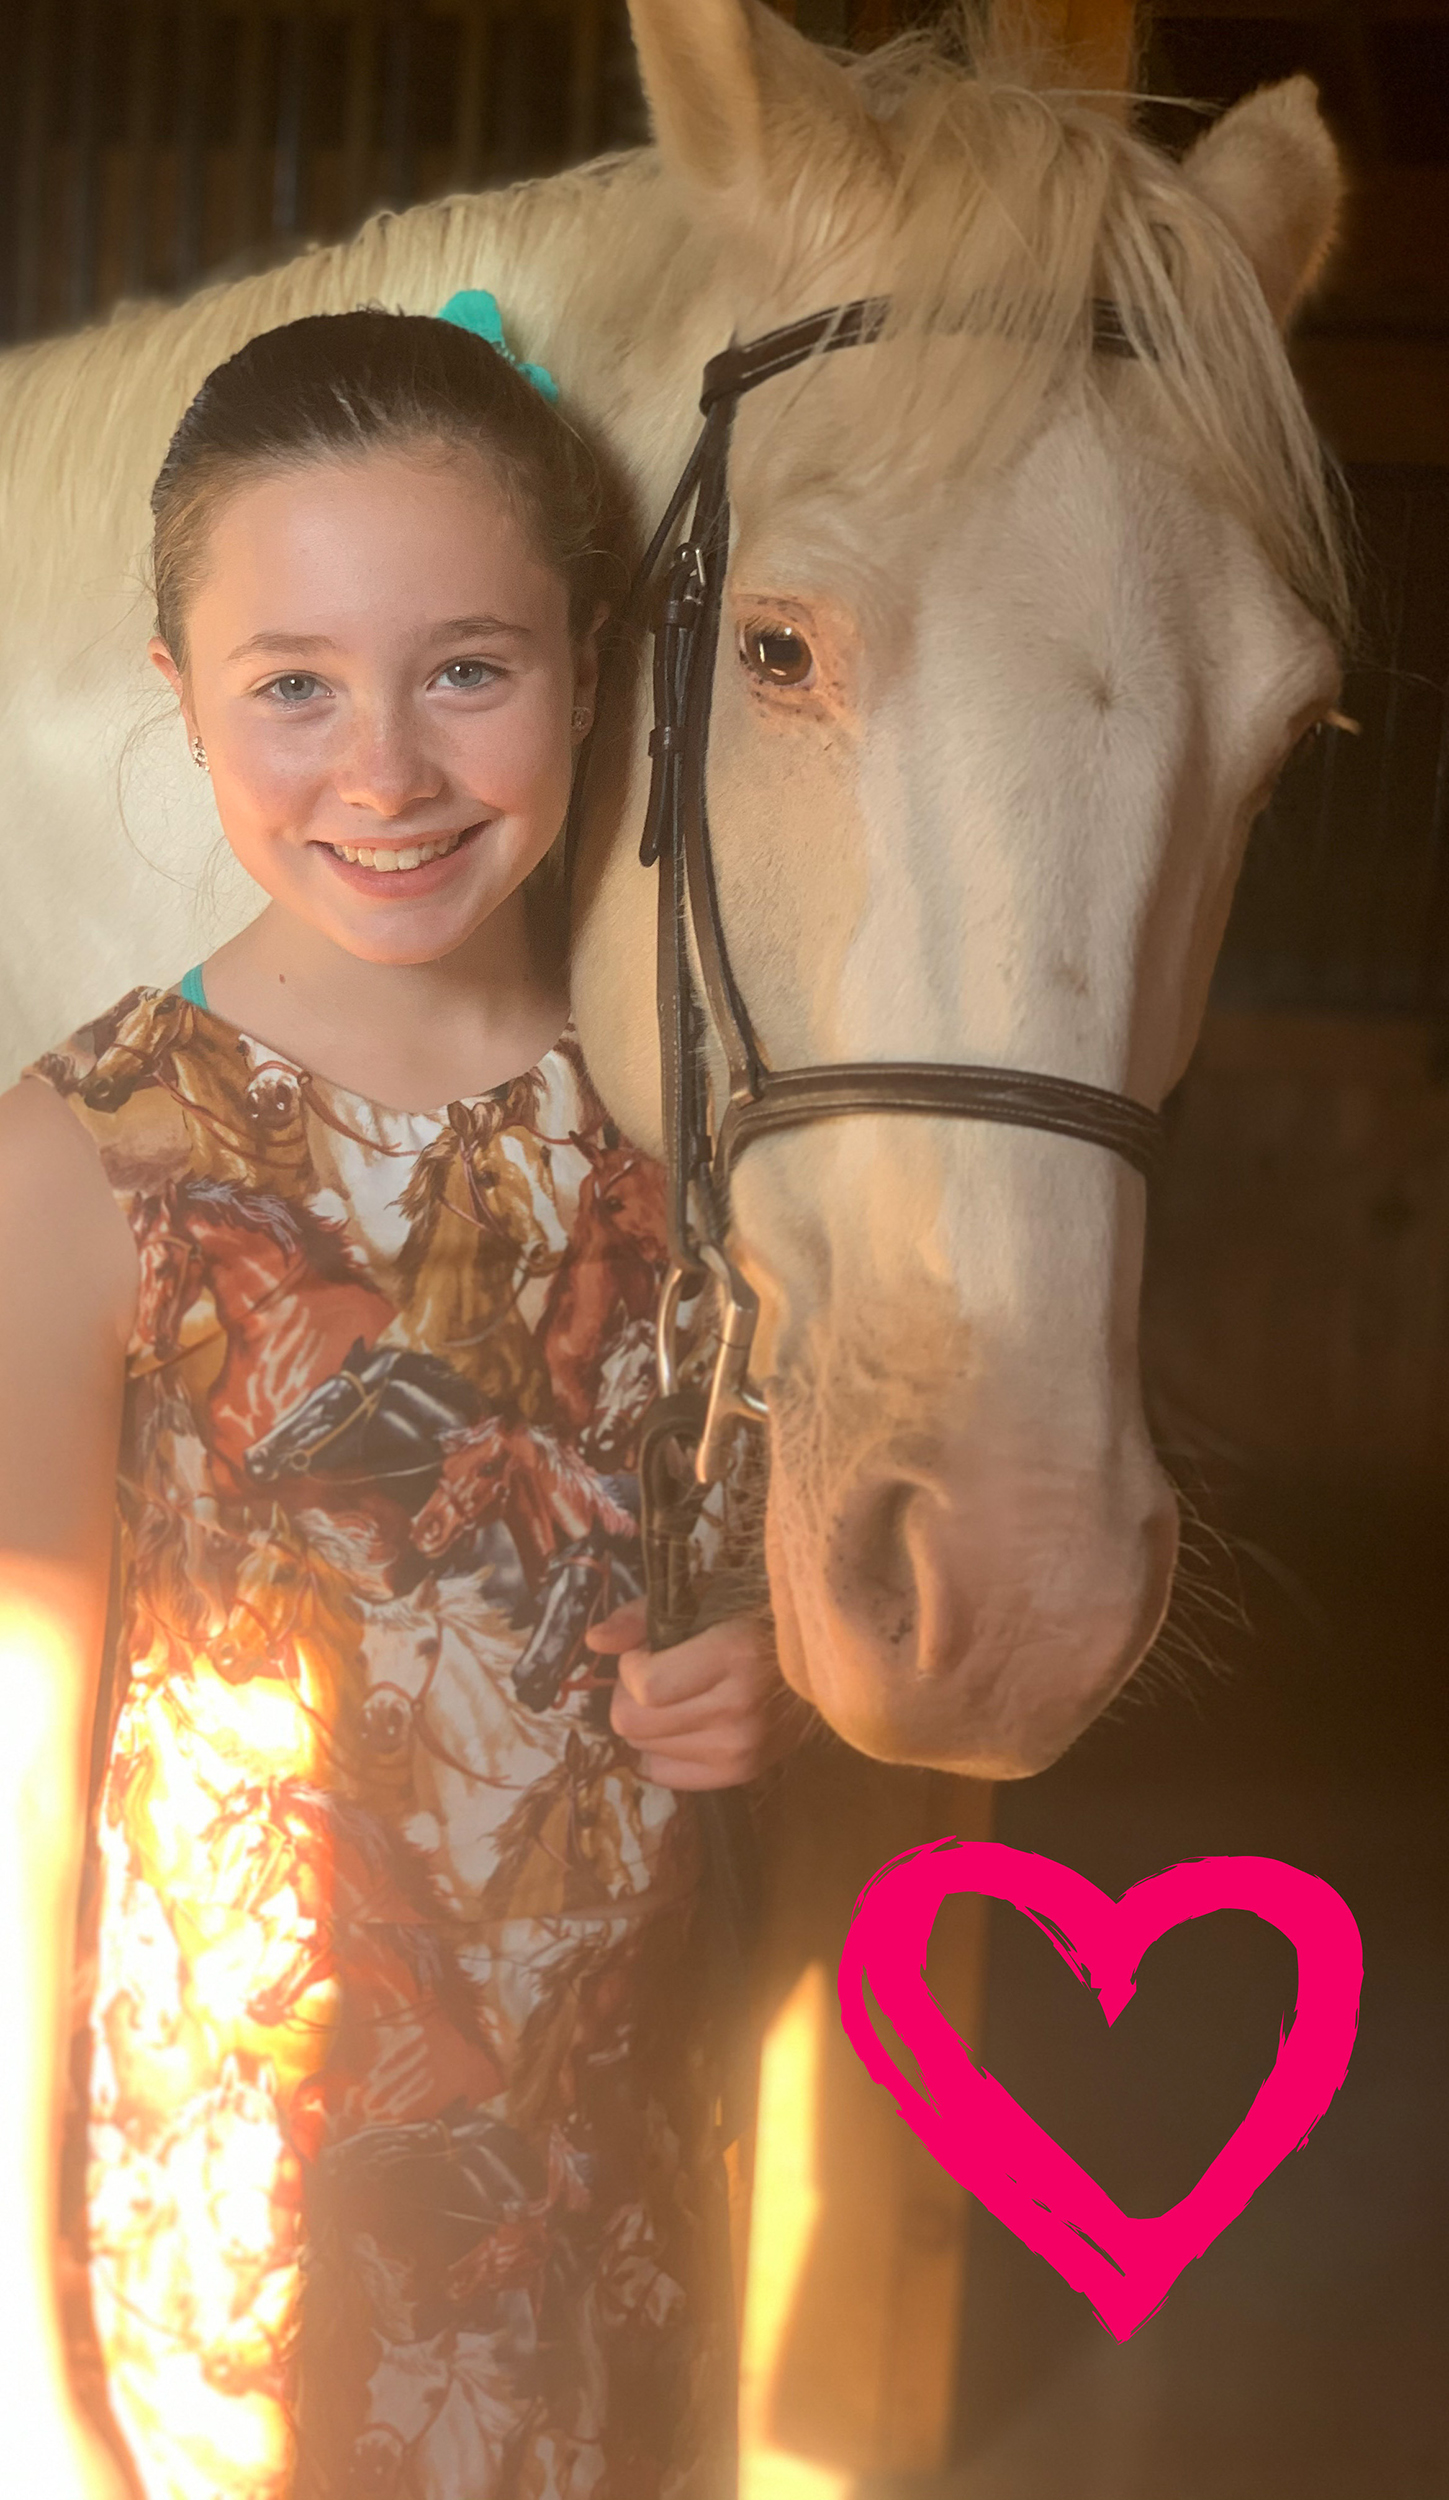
column 994, row 204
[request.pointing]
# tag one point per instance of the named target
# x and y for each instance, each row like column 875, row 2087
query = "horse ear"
column 357, row 1355
column 1272, row 172
column 733, row 90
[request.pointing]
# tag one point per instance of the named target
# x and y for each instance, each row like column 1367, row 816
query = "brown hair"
column 335, row 385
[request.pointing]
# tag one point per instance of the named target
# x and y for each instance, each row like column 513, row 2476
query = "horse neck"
column 526, row 1510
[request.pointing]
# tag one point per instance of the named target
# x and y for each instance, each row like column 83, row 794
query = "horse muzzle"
column 966, row 1609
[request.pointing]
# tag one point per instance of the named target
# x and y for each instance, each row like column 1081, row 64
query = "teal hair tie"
column 476, row 310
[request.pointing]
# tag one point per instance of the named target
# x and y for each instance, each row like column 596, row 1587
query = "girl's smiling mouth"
column 398, row 867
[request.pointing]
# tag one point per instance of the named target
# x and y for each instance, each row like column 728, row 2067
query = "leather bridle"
column 701, row 1149
column 685, row 1436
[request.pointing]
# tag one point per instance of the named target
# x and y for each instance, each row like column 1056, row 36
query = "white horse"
column 1065, row 614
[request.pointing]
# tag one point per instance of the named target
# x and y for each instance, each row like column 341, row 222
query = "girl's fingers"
column 624, row 1629
column 734, row 1659
column 704, row 1714
column 667, row 1773
column 654, row 1723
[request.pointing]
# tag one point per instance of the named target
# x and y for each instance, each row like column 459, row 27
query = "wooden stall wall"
column 1301, row 1236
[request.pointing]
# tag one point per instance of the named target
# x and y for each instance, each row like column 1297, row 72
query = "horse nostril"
column 871, row 1572
column 377, row 2464
column 897, row 1572
column 387, row 1720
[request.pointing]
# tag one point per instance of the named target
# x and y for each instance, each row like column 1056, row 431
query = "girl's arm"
column 68, row 1281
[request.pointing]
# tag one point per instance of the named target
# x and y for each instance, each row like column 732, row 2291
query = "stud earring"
column 198, row 755
column 581, row 719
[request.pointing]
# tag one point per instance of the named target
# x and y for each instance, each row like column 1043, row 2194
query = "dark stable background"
column 1303, row 2357
column 1298, row 1302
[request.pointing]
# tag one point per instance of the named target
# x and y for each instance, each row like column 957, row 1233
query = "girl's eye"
column 777, row 655
column 294, row 688
column 468, row 676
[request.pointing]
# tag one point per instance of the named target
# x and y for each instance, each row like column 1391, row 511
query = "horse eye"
column 777, row 655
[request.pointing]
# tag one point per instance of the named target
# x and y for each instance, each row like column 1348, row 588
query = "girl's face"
column 381, row 671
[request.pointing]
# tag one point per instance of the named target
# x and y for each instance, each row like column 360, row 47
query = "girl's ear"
column 159, row 656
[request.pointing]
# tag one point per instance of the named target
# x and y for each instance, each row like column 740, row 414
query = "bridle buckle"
column 730, row 1400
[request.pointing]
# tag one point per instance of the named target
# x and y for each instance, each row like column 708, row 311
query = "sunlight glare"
column 786, row 2204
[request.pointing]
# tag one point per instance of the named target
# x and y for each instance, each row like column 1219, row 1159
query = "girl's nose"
column 386, row 769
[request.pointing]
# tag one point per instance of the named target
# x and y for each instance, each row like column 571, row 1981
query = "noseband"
column 700, row 1151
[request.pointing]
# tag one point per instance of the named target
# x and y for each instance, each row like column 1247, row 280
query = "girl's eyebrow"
column 452, row 627
column 496, row 626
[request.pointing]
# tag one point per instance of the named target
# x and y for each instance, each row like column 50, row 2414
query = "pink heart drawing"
column 1124, row 2264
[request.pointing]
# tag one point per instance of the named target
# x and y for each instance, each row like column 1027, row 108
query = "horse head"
column 134, row 1047
column 473, row 1485
column 330, row 1418
column 622, row 1199
column 1017, row 635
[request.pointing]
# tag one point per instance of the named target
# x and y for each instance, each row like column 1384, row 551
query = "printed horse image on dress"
column 284, row 1285
column 242, row 1124
column 478, row 1234
column 381, row 1419
column 606, row 1284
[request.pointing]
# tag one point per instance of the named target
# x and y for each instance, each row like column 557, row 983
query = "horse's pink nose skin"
column 978, row 1616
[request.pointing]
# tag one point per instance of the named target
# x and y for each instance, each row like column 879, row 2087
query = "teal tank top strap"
column 193, row 988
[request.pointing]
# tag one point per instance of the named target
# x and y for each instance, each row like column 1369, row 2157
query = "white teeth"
column 416, row 856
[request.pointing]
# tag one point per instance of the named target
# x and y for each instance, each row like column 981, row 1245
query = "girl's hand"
column 711, row 1713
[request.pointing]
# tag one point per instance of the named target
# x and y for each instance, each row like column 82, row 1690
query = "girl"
column 390, row 2168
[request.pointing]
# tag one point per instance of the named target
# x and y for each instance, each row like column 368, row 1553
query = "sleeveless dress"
column 394, row 2167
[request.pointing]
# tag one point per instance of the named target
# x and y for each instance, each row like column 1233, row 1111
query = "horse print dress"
column 392, row 2173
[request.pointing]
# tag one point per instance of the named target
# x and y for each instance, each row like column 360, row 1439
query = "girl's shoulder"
column 66, row 1248
column 124, row 1075
column 70, row 1066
